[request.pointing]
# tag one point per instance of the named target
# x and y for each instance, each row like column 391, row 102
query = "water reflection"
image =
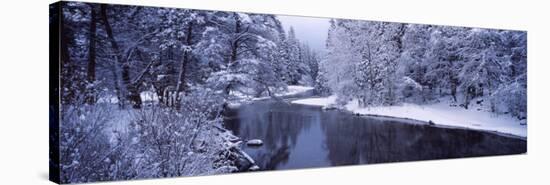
column 297, row 136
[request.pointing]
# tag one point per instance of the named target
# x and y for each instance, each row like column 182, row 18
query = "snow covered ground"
column 296, row 89
column 324, row 101
column 292, row 90
column 439, row 113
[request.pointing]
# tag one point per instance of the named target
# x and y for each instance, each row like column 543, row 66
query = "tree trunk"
column 454, row 84
column 234, row 50
column 469, row 92
column 132, row 93
column 180, row 87
column 235, row 44
column 117, row 85
column 181, row 79
column 90, row 89
column 67, row 91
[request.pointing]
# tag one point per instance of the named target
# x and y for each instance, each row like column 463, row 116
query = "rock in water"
column 255, row 142
column 254, row 168
column 325, row 108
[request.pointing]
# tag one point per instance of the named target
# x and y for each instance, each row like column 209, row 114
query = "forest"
column 144, row 90
column 381, row 63
column 164, row 76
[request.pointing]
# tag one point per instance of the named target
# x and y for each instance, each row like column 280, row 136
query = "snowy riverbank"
column 292, row 90
column 439, row 113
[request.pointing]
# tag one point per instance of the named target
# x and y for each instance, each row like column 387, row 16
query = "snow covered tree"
column 321, row 81
column 309, row 64
column 413, row 64
column 511, row 95
column 179, row 66
column 482, row 73
column 339, row 60
column 293, row 58
column 73, row 26
column 446, row 59
column 247, row 45
column 377, row 63
column 364, row 55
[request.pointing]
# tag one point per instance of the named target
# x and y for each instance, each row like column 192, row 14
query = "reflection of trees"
column 272, row 158
column 357, row 140
column 277, row 124
column 351, row 139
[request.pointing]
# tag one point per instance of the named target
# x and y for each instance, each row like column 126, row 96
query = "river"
column 301, row 136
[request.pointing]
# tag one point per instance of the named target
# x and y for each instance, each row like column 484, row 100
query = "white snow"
column 254, row 168
column 244, row 17
column 296, row 89
column 149, row 96
column 243, row 98
column 112, row 99
column 291, row 90
column 439, row 113
column 325, row 101
column 234, row 104
column 254, row 142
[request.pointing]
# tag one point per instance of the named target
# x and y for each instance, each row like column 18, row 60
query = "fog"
column 310, row 30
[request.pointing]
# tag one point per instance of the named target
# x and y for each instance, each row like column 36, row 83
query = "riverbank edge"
column 243, row 162
column 415, row 121
column 290, row 98
column 238, row 141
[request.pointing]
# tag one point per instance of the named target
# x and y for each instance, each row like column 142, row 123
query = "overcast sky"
column 312, row 31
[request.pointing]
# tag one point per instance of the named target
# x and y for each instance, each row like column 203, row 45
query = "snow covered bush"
column 84, row 147
column 512, row 98
column 411, row 91
column 174, row 143
column 154, row 141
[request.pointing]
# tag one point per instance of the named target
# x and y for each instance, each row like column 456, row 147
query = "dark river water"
column 301, row 136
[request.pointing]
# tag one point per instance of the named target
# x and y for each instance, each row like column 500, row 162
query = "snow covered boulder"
column 233, row 139
column 255, row 142
column 254, row 168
